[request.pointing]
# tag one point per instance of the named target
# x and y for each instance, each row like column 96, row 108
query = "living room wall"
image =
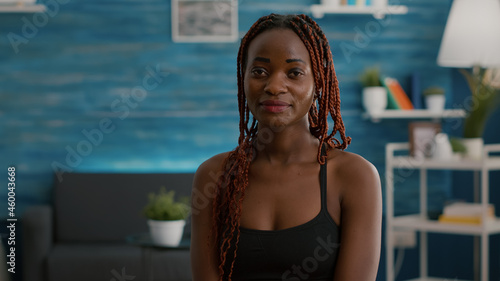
column 73, row 96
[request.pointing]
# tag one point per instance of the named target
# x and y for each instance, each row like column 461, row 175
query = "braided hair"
column 231, row 187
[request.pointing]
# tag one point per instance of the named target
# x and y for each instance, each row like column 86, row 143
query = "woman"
column 288, row 202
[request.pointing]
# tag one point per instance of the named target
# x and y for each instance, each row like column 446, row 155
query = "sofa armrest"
column 38, row 239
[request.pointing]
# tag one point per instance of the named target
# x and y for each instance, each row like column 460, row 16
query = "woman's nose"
column 276, row 84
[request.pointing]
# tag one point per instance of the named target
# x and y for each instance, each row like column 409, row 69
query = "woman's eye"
column 296, row 73
column 258, row 72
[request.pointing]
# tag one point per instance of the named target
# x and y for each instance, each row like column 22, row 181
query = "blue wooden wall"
column 100, row 86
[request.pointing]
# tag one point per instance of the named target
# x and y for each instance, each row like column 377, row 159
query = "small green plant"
column 457, row 145
column 162, row 206
column 371, row 77
column 434, row 90
column 485, row 100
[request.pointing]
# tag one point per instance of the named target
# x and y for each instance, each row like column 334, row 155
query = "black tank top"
column 304, row 252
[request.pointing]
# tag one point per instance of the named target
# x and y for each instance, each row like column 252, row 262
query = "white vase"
column 474, row 147
column 166, row 233
column 442, row 150
column 374, row 99
column 435, row 103
column 331, row 3
column 379, row 3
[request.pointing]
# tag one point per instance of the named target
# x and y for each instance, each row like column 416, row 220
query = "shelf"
column 319, row 11
column 432, row 279
column 491, row 163
column 22, row 8
column 415, row 114
column 417, row 223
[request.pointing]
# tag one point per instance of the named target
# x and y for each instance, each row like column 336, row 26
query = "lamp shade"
column 472, row 35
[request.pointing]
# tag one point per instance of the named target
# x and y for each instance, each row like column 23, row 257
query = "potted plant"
column 434, row 99
column 374, row 94
column 166, row 217
column 485, row 88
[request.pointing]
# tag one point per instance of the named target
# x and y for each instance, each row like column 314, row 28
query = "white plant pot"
column 435, row 103
column 374, row 99
column 474, row 148
column 166, row 233
column 379, row 3
column 442, row 150
column 331, row 3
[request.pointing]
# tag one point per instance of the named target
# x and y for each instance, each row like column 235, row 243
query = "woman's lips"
column 274, row 106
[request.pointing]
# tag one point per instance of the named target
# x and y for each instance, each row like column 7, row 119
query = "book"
column 462, row 220
column 392, row 103
column 398, row 93
column 416, row 91
column 467, row 209
column 468, row 213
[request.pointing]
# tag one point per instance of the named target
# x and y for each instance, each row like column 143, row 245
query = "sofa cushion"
column 105, row 262
column 100, row 207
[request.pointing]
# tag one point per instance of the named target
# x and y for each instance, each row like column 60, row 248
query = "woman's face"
column 278, row 79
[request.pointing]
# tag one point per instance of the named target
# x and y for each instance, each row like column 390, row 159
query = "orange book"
column 399, row 94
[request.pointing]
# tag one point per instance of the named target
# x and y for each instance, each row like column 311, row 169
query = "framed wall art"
column 204, row 21
column 421, row 134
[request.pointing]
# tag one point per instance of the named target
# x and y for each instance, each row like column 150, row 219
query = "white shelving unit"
column 420, row 222
column 378, row 12
column 415, row 114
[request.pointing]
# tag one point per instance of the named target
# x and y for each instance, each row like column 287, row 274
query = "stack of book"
column 396, row 97
column 468, row 213
column 355, row 2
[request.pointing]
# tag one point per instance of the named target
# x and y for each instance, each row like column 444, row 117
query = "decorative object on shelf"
column 379, row 3
column 21, row 6
column 434, row 98
column 397, row 97
column 442, row 150
column 421, row 138
column 377, row 8
column 374, row 95
column 166, row 217
column 457, row 146
column 468, row 213
column 471, row 40
column 360, row 3
column 416, row 90
column 204, row 21
column 330, row 3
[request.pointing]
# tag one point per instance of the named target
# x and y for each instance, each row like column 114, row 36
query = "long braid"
column 231, row 187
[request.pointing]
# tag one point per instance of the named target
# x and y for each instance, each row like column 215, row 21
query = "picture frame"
column 421, row 138
column 204, row 21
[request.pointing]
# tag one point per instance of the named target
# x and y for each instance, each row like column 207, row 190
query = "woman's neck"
column 286, row 145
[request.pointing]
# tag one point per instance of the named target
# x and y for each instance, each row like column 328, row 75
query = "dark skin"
column 284, row 186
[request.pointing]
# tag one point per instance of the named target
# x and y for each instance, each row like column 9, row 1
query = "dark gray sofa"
column 82, row 236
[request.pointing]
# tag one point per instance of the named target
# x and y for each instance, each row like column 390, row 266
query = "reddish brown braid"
column 231, row 187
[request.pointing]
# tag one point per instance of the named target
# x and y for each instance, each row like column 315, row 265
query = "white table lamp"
column 472, row 35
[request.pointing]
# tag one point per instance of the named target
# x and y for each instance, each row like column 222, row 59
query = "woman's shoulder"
column 348, row 160
column 214, row 162
column 210, row 170
column 352, row 169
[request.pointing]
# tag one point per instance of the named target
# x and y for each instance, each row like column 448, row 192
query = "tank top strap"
column 322, row 181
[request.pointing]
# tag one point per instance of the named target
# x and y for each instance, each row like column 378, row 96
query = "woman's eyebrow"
column 295, row 60
column 262, row 59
